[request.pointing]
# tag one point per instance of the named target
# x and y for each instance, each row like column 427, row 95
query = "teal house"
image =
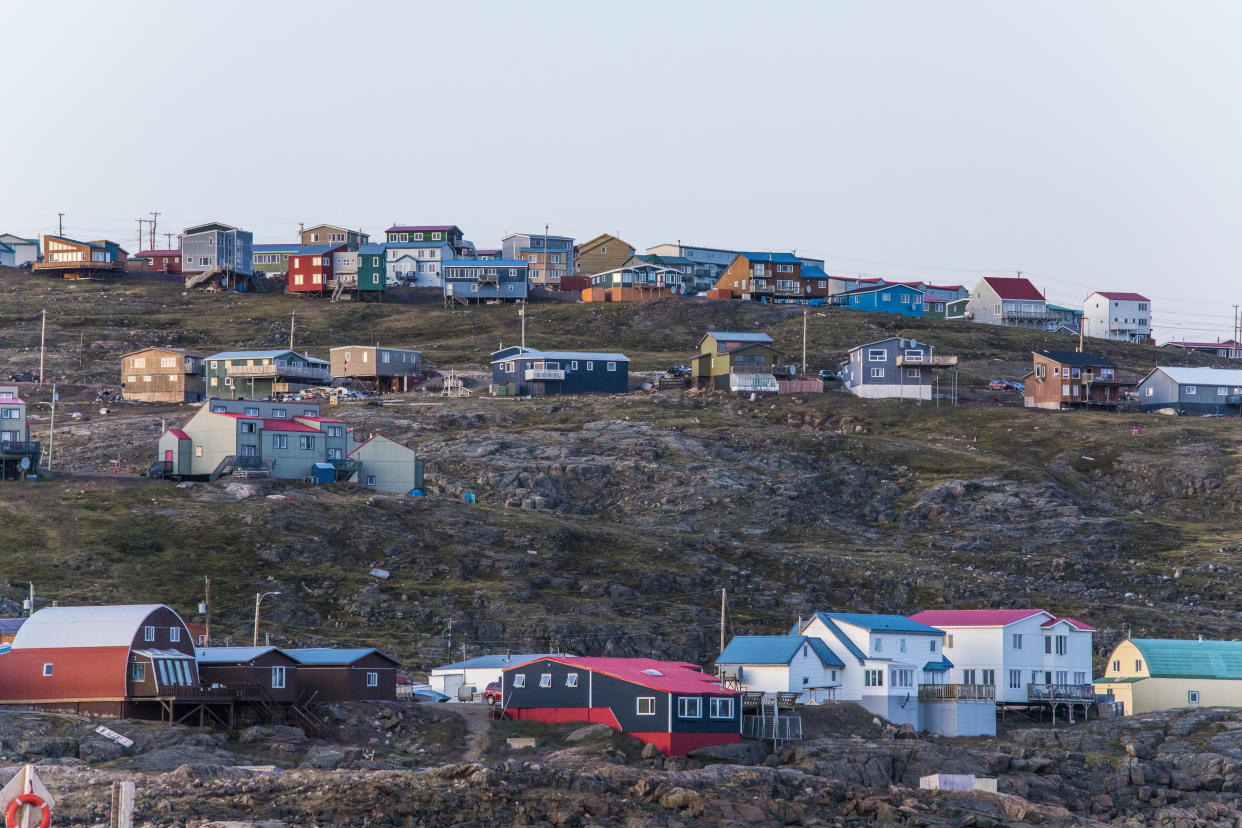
column 256, row 375
column 372, row 271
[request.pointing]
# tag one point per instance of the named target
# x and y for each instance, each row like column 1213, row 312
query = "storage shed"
column 272, row 673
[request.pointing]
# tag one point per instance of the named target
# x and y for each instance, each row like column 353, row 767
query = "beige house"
column 162, row 375
column 330, row 234
column 377, row 369
column 1146, row 674
column 602, row 253
column 387, row 466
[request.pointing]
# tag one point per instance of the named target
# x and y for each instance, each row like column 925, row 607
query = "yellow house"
column 1147, row 674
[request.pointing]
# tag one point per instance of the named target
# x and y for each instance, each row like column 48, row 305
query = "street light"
column 51, row 446
column 258, row 598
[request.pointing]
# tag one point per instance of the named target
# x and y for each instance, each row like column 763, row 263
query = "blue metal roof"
column 263, row 355
column 229, row 655
column 736, row 336
column 332, row 655
column 882, row 623
column 373, row 248
column 774, row 649
column 813, row 272
column 781, row 258
column 317, row 249
column 938, row 666
column 499, row 661
column 275, row 247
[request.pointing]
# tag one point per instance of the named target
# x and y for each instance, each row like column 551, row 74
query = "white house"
column 479, row 672
column 1008, row 300
column 782, row 664
column 886, row 657
column 418, row 263
column 6, row 255
column 1015, row 650
column 24, row 250
column 1121, row 316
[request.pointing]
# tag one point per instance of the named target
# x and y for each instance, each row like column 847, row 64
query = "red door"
column 168, row 456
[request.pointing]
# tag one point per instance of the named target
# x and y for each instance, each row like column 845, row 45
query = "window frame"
column 638, row 705
column 685, row 703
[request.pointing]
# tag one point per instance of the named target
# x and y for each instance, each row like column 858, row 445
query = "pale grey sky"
column 1092, row 145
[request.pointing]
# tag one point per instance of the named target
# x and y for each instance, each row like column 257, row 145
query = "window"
column 1117, row 666
column 879, row 644
column 902, row 645
column 1015, row 679
column 252, row 412
column 138, row 362
column 545, row 680
column 646, row 705
column 1062, row 643
column 903, row 678
column 886, row 297
column 372, row 679
column 1138, row 665
column 148, row 633
column 217, row 409
column 932, row 644
column 590, row 366
column 689, row 707
column 306, row 443
column 1062, row 677
column 1221, row 390
column 174, row 634
column 877, row 373
column 1056, row 370
column 1191, row 390
column 571, row 679
column 336, row 454
column 47, row 669
column 1065, row 389
column 1048, row 645
column 310, row 412
column 249, row 451
column 1017, row 641
column 873, row 678
column 612, row 366
column 370, row 480
column 1192, row 697
column 336, row 431
column 989, row 677
column 905, row 298
column 279, row 413
column 876, row 355
column 968, row 677
column 573, row 365
column 519, row 680
column 198, row 451
column 280, row 441
column 247, row 428
column 127, row 379
column 137, row 671
column 948, row 642
column 168, row 362
column 914, row 372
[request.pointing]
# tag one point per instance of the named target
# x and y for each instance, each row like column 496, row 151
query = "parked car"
column 678, row 371
column 827, row 375
column 22, row 376
column 491, row 695
column 1017, row 386
column 999, row 385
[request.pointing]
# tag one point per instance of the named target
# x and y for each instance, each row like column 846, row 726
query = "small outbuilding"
column 273, row 673
column 330, row 674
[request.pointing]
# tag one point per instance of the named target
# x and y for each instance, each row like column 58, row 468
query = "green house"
column 256, row 375
column 723, row 354
column 372, row 270
column 272, row 259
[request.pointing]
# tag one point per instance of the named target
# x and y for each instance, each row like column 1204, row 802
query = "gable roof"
column 166, row 349
column 229, row 655
column 1073, row 622
column 913, row 342
column 975, row 617
column 1078, row 359
column 263, row 355
column 1178, row 658
column 774, row 649
column 1200, row 376
column 876, row 288
column 883, row 623
column 1227, row 344
column 1014, row 287
column 318, row 249
column 211, row 225
column 178, row 433
column 99, row 626
column 736, row 336
column 810, row 271
column 371, row 249
column 423, row 228
column 1122, row 297
column 665, row 676
column 531, row 353
column 332, row 656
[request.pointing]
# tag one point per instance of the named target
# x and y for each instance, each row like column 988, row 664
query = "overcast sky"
column 1091, row 145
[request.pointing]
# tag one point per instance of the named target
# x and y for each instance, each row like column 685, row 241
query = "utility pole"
column 207, row 611
column 30, row 603
column 293, row 315
column 60, row 224
column 81, row 352
column 547, row 259
column 258, row 597
column 51, row 440
column 140, row 223
column 722, row 619
column 168, row 240
column 522, row 315
column 804, row 315
column 42, row 340
column 1235, row 324
column 154, row 218
column 301, row 230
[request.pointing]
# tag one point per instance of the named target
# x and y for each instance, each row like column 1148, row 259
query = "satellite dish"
column 25, row 464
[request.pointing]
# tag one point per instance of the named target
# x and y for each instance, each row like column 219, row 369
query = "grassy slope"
column 84, row 539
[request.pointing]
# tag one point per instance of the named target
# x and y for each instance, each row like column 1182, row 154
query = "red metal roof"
column 317, row 419
column 145, row 253
column 974, row 617
column 1073, row 622
column 1131, row 297
column 668, row 676
column 1014, row 287
column 178, row 433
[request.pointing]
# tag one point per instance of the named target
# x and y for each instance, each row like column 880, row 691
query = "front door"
column 168, row 456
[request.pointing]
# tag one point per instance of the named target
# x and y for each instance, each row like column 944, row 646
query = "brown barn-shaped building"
column 327, row 675
column 127, row 661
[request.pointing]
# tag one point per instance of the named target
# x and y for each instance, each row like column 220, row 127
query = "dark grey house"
column 893, row 367
column 485, row 280
column 518, row 371
column 1193, row 391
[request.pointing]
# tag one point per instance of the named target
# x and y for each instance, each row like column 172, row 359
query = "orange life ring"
column 34, row 801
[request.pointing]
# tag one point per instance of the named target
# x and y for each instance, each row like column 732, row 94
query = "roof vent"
column 651, row 671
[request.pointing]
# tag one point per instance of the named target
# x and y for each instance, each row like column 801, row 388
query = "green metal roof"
column 1177, row 658
column 1118, row 680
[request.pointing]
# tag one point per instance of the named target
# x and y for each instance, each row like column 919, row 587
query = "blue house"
column 898, row 298
column 893, row 367
column 518, row 371
column 502, row 280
